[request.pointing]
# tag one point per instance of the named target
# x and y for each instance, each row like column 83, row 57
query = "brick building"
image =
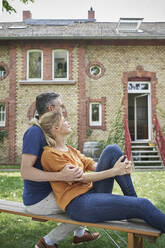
column 93, row 65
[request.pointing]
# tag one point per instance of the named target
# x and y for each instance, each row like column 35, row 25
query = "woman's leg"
column 99, row 207
column 107, row 160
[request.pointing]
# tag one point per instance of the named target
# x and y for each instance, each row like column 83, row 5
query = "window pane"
column 35, row 64
column 95, row 112
column 2, row 71
column 36, row 115
column 95, row 70
column 144, row 86
column 60, row 64
column 138, row 86
column 2, row 115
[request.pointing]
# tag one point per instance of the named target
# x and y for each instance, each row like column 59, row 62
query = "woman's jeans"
column 99, row 204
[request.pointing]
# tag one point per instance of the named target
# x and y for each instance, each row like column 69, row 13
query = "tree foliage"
column 162, row 114
column 9, row 8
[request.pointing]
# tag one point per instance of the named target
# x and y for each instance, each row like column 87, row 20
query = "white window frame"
column 95, row 123
column 28, row 52
column 2, row 122
column 147, row 92
column 139, row 90
column 53, row 66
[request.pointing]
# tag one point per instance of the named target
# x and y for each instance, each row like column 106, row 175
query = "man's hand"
column 70, row 173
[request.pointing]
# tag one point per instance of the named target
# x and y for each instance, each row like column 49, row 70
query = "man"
column 38, row 197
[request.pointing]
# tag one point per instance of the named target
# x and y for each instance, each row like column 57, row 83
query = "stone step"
column 143, row 147
column 148, row 162
column 146, row 156
column 141, row 167
column 142, row 151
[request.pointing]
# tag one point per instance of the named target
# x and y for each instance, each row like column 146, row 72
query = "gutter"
column 71, row 37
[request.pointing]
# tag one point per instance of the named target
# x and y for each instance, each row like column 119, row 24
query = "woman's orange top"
column 55, row 160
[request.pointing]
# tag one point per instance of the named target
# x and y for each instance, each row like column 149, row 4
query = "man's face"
column 58, row 105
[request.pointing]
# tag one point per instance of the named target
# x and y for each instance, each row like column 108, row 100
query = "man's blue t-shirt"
column 33, row 143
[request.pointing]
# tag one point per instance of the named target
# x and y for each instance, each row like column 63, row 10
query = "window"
column 138, row 87
column 2, row 71
column 2, row 115
column 95, row 70
column 129, row 25
column 60, row 64
column 34, row 64
column 36, row 115
column 95, row 114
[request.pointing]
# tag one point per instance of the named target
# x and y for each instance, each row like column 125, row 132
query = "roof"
column 77, row 29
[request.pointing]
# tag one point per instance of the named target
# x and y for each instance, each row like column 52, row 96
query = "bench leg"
column 134, row 241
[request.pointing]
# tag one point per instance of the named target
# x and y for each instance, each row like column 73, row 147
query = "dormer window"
column 129, row 25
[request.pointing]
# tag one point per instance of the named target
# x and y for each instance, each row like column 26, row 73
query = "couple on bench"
column 56, row 179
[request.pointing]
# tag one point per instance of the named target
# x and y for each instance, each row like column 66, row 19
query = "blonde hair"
column 46, row 122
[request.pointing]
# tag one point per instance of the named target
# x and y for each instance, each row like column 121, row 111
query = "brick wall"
column 118, row 62
column 26, row 93
column 4, row 98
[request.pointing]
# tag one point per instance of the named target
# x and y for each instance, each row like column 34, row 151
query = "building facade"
column 94, row 66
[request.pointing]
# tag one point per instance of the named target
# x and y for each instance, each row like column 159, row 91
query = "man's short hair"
column 45, row 99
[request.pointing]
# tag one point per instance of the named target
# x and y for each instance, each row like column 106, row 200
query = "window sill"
column 43, row 82
column 98, row 127
column 2, row 125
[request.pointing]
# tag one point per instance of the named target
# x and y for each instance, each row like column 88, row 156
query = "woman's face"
column 64, row 127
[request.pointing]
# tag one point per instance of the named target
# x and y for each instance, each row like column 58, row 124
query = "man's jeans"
column 99, row 204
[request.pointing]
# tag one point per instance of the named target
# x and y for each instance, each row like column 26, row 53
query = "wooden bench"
column 137, row 230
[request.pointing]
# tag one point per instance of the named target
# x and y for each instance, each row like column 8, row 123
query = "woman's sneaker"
column 42, row 244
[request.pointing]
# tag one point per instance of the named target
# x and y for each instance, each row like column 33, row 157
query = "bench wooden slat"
column 125, row 226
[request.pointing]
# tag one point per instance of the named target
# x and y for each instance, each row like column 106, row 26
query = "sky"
column 105, row 10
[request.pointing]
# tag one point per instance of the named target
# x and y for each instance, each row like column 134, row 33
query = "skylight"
column 129, row 25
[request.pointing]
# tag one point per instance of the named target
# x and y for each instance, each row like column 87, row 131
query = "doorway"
column 139, row 111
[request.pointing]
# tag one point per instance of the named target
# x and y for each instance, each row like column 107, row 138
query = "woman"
column 90, row 199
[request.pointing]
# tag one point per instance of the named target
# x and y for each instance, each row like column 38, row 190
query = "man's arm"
column 29, row 172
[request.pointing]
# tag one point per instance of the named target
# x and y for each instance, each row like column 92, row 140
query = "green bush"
column 3, row 133
column 116, row 134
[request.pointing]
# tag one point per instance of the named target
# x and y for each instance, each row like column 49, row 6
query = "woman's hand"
column 128, row 166
column 71, row 173
column 122, row 168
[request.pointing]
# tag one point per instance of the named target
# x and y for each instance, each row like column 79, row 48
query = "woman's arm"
column 93, row 167
column 120, row 168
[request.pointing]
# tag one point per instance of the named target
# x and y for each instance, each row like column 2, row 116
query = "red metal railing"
column 127, row 140
column 160, row 139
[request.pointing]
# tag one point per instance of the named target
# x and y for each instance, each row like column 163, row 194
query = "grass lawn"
column 22, row 232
